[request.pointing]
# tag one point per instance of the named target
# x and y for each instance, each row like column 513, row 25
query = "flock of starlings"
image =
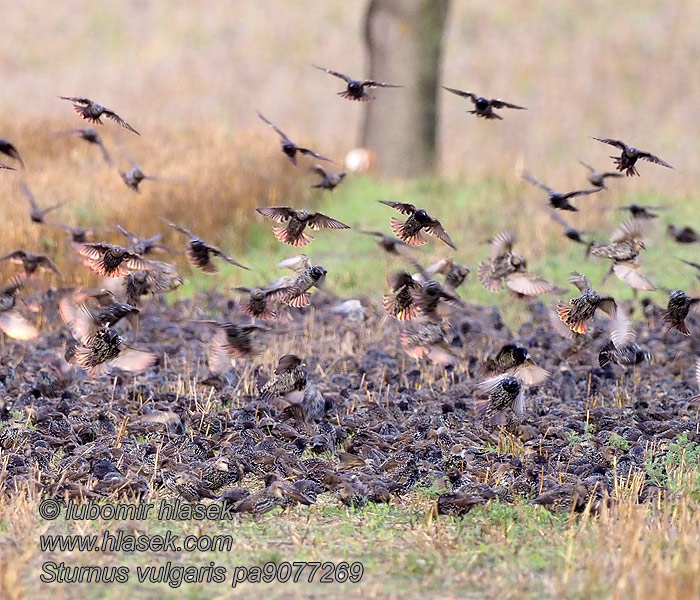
column 424, row 307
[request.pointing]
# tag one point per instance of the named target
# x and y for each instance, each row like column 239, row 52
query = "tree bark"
column 404, row 41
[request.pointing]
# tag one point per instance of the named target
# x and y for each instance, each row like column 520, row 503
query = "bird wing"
column 17, row 254
column 29, row 195
column 648, row 156
column 461, row 93
column 631, row 229
column 534, row 181
column 502, row 243
column 110, row 114
column 77, row 100
column 631, row 273
column 309, row 152
column 47, row 263
column 134, row 360
column 403, row 207
column 299, row 264
column 528, row 284
column 182, row 230
column 617, row 143
column 279, row 214
column 576, row 193
column 321, row 221
column 436, row 229
column 585, row 164
column 530, row 373
column 334, row 73
column 608, row 306
column 371, row 83
column 218, row 353
column 621, row 329
column 496, row 103
column 16, row 325
column 580, row 281
column 225, row 257
column 277, row 129
column 319, row 170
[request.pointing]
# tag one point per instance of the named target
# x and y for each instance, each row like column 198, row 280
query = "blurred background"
column 190, row 76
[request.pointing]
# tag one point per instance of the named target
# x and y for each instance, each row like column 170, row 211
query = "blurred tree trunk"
column 404, row 40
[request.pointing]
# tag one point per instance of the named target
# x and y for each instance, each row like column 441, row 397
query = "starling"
column 133, row 178
column 683, row 235
column 569, row 232
column 105, row 351
column 109, row 260
column 36, row 214
column 296, row 294
column 259, row 301
column 505, row 393
column 511, row 268
column 580, row 310
column 296, row 221
column 428, row 340
column 156, row 278
column 91, row 111
column 289, row 376
column 79, row 235
column 186, row 485
column 9, row 149
column 483, row 107
column 458, row 504
column 516, row 360
column 429, row 296
column 233, row 496
column 229, row 342
column 696, row 372
column 12, row 322
column 410, row 230
column 289, row 148
column 85, row 319
column 388, row 243
column 679, row 305
column 92, row 137
column 626, row 161
column 31, row 262
column 627, row 356
column 641, row 212
column 556, row 199
column 144, row 246
column 597, row 178
column 455, row 274
column 563, row 497
column 402, row 304
column 356, row 87
column 275, row 493
column 329, row 181
column 199, row 253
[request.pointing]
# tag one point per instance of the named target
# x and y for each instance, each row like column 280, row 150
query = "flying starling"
column 427, row 339
column 483, row 107
column 31, row 262
column 580, row 310
column 388, row 243
column 85, row 316
column 289, row 148
column 259, row 301
column 557, row 199
column 683, row 235
column 597, row 178
column 455, row 274
column 401, row 304
column 505, row 393
column 106, row 351
column 91, row 136
column 91, row 111
column 329, row 180
column 679, row 305
column 79, row 235
column 410, row 230
column 289, row 376
column 144, row 246
column 626, row 161
column 109, row 260
column 296, row 221
column 199, row 253
column 12, row 322
column 511, row 268
column 297, row 294
column 231, row 341
column 622, row 349
column 9, row 149
column 515, row 360
column 36, row 214
column 569, row 232
column 356, row 87
column 156, row 278
column 641, row 212
column 133, row 178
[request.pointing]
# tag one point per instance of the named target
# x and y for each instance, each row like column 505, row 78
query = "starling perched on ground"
column 105, row 351
column 12, row 322
column 233, row 496
column 505, row 393
column 91, row 111
column 679, row 305
column 230, row 341
column 31, row 262
column 296, row 221
column 683, row 235
column 427, row 339
column 626, row 161
column 296, row 294
column 641, row 212
column 563, row 497
column 597, row 178
column 9, row 149
column 329, row 180
column 92, row 137
column 483, row 107
column 186, row 485
column 109, row 260
column 259, row 301
column 356, row 87
column 511, row 268
column 199, row 253
column 573, row 234
column 458, row 504
column 275, row 493
column 557, row 199
column 410, row 230
column 289, row 376
column 36, row 214
column 580, row 310
column 289, row 148
column 388, row 243
column 144, row 246
column 515, row 360
column 402, row 304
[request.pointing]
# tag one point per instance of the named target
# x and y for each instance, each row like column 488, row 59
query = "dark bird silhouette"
column 455, row 274
column 388, row 243
column 289, row 148
column 86, row 315
column 9, row 149
column 199, row 253
column 290, row 376
column 622, row 349
column 78, row 235
column 105, row 351
column 510, row 268
column 626, row 161
column 410, row 230
column 92, row 111
column 13, row 323
column 91, row 136
column 31, row 262
column 231, row 341
column 683, row 235
column 569, row 232
column 109, row 260
column 329, row 180
column 36, row 214
column 556, row 199
column 579, row 311
column 692, row 264
column 483, row 107
column 259, row 301
column 505, row 393
column 296, row 221
column 641, row 212
column 597, row 178
column 144, row 246
column 402, row 304
column 679, row 306
column 356, row 87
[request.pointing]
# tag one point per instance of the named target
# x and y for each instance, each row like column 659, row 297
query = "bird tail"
column 399, row 228
column 396, row 310
column 564, row 313
column 605, row 355
column 297, row 300
column 680, row 326
column 283, row 235
column 485, row 276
